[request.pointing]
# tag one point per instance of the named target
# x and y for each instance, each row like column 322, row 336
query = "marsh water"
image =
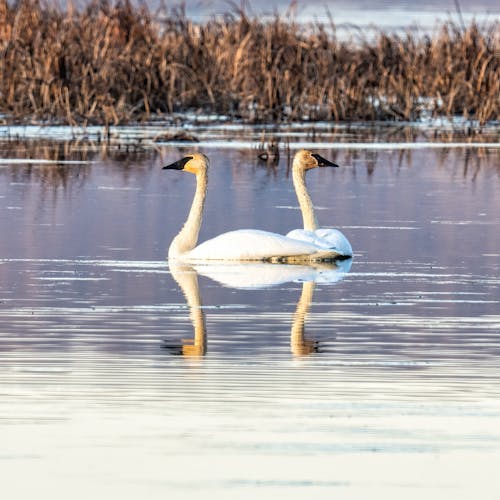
column 122, row 377
column 349, row 14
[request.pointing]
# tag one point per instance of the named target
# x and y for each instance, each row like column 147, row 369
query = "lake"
column 353, row 14
column 124, row 377
column 351, row 17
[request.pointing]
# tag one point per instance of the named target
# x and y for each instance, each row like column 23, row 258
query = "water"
column 351, row 17
column 122, row 377
column 352, row 14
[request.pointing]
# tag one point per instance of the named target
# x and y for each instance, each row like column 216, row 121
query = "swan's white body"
column 322, row 238
column 326, row 238
column 249, row 244
column 240, row 245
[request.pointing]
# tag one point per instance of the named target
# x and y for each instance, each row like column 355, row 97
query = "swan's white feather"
column 249, row 244
column 323, row 239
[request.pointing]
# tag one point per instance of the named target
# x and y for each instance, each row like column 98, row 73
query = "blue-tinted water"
column 122, row 376
column 350, row 14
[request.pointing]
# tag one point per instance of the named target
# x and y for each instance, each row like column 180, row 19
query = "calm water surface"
column 385, row 14
column 124, row 378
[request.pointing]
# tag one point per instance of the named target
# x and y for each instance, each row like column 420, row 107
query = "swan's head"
column 195, row 163
column 305, row 160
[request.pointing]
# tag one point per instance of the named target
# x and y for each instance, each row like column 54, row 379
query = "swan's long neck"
column 188, row 236
column 305, row 202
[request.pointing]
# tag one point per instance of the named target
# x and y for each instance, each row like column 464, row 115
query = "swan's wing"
column 250, row 244
column 325, row 239
column 304, row 235
column 335, row 239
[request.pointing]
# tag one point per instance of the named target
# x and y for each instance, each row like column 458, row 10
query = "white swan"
column 241, row 245
column 324, row 238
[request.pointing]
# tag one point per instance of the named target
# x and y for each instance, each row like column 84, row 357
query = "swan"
column 239, row 245
column 324, row 238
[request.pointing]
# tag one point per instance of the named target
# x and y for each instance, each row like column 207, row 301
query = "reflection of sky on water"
column 347, row 14
column 406, row 212
column 357, row 12
column 382, row 383
column 124, row 206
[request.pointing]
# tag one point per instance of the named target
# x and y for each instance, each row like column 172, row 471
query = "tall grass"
column 114, row 63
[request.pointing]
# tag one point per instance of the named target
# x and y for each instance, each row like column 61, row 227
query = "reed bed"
column 113, row 63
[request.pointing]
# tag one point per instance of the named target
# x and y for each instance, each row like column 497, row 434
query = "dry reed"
column 116, row 63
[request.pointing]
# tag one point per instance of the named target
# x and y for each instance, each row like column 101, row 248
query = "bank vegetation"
column 115, row 63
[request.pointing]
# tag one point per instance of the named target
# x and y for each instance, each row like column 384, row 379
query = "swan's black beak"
column 179, row 164
column 323, row 162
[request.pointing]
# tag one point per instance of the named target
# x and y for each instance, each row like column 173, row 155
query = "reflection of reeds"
column 111, row 63
column 55, row 151
column 57, row 173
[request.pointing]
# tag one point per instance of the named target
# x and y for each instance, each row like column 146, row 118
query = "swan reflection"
column 253, row 276
column 299, row 345
column 187, row 279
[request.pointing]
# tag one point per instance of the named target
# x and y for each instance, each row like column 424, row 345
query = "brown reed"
column 112, row 63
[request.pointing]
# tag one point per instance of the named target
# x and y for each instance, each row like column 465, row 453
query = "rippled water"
column 122, row 377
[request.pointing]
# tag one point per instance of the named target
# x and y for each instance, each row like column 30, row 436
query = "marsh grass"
column 116, row 63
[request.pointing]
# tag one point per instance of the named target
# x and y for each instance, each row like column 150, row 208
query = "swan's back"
column 250, row 245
